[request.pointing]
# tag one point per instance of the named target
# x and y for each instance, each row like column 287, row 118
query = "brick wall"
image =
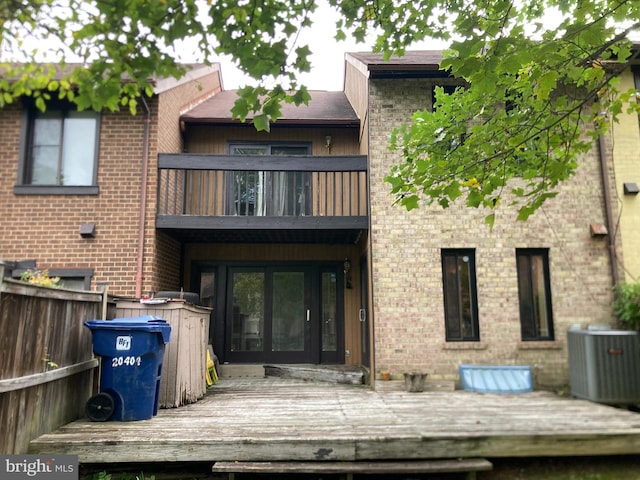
column 407, row 274
column 163, row 268
column 626, row 152
column 46, row 227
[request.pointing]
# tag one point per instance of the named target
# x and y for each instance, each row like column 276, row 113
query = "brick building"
column 626, row 145
column 292, row 238
column 412, row 251
column 43, row 213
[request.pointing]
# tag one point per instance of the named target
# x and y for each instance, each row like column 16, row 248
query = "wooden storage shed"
column 185, row 358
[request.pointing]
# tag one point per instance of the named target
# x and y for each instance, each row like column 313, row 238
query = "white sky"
column 327, row 60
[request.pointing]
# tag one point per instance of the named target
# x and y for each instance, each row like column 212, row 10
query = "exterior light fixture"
column 327, row 142
column 347, row 271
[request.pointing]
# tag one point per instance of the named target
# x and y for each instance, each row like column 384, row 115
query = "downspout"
column 608, row 210
column 143, row 199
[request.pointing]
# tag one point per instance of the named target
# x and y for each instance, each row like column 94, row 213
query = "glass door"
column 272, row 193
column 290, row 312
column 271, row 315
column 363, row 313
column 247, row 311
column 331, row 325
column 276, row 313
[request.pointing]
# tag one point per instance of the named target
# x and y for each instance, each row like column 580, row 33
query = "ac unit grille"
column 604, row 366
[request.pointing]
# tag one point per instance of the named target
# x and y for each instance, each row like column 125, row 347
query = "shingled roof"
column 418, row 63
column 193, row 71
column 418, row 58
column 324, row 108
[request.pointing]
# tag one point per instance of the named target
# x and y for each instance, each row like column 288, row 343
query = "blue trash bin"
column 131, row 351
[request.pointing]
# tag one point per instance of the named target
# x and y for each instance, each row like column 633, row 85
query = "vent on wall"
column 604, row 366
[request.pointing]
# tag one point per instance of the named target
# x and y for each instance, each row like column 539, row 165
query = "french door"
column 278, row 313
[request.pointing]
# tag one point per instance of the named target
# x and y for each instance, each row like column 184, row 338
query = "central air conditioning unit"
column 604, row 366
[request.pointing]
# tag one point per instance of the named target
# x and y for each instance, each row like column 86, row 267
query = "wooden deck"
column 289, row 420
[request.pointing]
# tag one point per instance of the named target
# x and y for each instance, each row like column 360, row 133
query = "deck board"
column 290, row 420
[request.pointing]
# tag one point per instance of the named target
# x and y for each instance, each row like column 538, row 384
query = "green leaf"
column 474, row 199
column 410, row 202
column 261, row 122
column 40, row 104
column 490, row 220
column 546, row 84
column 240, row 108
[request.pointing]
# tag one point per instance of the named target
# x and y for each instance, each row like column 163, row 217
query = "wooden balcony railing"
column 246, row 190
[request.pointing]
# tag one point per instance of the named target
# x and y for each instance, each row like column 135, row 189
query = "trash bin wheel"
column 100, row 407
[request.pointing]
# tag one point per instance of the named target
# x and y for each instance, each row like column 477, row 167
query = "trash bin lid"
column 145, row 323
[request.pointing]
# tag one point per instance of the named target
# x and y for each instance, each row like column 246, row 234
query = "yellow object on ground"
column 211, row 375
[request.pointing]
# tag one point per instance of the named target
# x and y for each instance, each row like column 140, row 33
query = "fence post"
column 104, row 289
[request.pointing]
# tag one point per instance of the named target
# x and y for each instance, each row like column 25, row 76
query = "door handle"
column 308, row 315
column 362, row 314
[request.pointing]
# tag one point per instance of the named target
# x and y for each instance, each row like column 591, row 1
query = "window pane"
column 78, row 150
column 525, row 296
column 72, row 283
column 465, row 296
column 329, row 312
column 259, row 193
column 249, row 150
column 289, row 150
column 44, row 170
column 539, row 296
column 45, row 148
column 248, row 193
column 452, row 304
column 459, row 283
column 62, row 149
column 248, row 312
column 533, row 293
column 47, row 129
column 289, row 193
column 207, row 289
column 288, row 320
column 249, row 186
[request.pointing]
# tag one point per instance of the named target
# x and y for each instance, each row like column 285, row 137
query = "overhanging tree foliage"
column 533, row 102
column 529, row 89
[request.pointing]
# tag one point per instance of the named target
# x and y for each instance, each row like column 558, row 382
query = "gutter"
column 143, row 200
column 608, row 210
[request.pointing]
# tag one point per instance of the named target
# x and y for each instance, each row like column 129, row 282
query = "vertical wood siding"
column 42, row 327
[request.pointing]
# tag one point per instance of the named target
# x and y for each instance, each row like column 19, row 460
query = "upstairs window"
column 534, row 293
column 60, row 149
column 460, row 295
column 270, row 193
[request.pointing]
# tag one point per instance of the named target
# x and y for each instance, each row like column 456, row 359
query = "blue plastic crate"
column 496, row 379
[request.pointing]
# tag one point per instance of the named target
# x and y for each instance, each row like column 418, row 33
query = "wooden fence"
column 46, row 360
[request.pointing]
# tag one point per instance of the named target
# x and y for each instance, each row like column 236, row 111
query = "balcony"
column 258, row 199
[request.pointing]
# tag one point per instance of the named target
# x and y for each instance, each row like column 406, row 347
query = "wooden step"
column 344, row 374
column 463, row 465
